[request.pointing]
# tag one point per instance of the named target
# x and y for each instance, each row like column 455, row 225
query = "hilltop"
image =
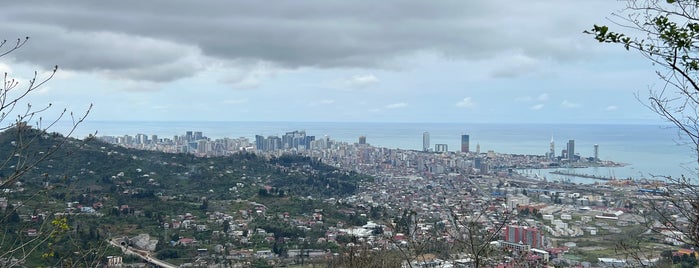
column 105, row 191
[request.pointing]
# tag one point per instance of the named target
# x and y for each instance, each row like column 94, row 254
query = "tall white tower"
column 552, row 149
column 426, row 141
column 596, row 152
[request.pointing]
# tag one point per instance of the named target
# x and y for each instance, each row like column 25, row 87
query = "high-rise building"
column 274, row 143
column 308, row 140
column 260, row 143
column 198, row 135
column 570, row 149
column 464, row 143
column 441, row 148
column 596, row 152
column 425, row 141
column 295, row 140
column 202, row 146
column 552, row 149
column 524, row 235
column 362, row 139
column 141, row 138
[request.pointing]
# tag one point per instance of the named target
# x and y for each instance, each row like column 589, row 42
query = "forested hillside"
column 101, row 191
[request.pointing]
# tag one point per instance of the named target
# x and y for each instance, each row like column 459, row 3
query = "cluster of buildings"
column 298, row 141
column 444, row 189
column 295, row 140
column 193, row 142
column 443, row 148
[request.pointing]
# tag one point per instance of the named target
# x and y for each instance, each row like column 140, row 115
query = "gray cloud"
column 169, row 39
column 110, row 53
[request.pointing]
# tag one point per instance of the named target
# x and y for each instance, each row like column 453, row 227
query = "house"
column 114, row 261
column 32, row 232
column 186, row 241
column 87, row 210
column 265, row 254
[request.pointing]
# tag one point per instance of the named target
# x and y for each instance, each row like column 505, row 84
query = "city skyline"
column 196, row 141
column 413, row 61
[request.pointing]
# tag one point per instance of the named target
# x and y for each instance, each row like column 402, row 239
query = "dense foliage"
column 136, row 191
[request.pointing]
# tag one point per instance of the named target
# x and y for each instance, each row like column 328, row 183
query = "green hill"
column 104, row 191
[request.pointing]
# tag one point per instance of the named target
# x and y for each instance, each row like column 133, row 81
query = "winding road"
column 145, row 255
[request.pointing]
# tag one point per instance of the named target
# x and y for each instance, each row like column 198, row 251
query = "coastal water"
column 647, row 149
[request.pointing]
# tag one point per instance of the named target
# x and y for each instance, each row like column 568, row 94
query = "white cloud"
column 537, row 107
column 4, row 68
column 361, row 81
column 466, row 103
column 611, row 108
column 568, row 104
column 396, row 105
column 542, row 97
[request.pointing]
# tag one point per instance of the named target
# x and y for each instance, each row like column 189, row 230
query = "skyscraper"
column 260, row 143
column 198, row 135
column 295, row 140
column 464, row 143
column 426, row 141
column 596, row 152
column 552, row 149
column 571, row 150
column 362, row 139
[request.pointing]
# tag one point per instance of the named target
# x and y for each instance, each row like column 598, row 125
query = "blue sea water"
column 647, row 149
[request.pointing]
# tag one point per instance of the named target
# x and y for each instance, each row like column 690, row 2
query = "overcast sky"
column 374, row 61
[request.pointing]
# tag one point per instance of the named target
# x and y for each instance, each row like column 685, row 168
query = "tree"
column 666, row 32
column 28, row 129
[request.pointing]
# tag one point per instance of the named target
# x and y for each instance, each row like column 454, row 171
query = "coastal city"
column 349, row 134
column 444, row 193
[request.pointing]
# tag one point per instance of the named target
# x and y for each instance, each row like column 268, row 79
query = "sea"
column 648, row 151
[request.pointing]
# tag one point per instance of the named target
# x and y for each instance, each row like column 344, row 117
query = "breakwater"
column 582, row 175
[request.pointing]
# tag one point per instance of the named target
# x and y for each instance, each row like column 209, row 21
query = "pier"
column 581, row 175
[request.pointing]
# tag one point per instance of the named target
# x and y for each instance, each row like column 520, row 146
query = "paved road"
column 145, row 255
